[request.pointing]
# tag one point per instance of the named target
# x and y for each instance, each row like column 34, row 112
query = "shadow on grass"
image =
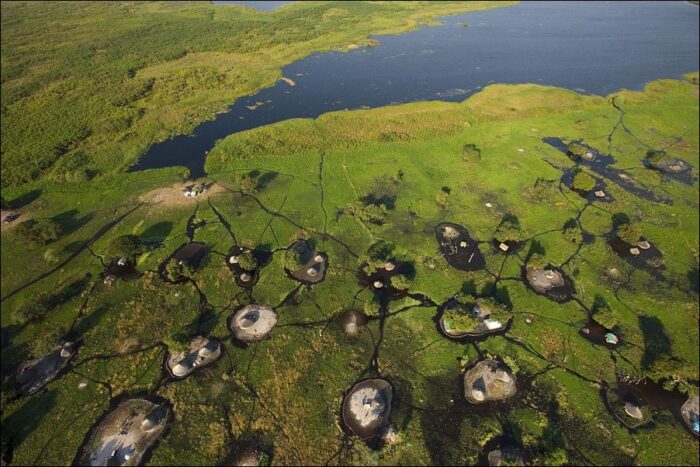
column 157, row 231
column 19, row 425
column 657, row 344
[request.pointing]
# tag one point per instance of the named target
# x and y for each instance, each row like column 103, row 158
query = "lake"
column 590, row 47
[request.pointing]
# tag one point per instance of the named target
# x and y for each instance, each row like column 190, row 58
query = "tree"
column 572, row 232
column 582, row 181
column 125, row 246
column 292, row 259
column 442, row 199
column 247, row 261
column 629, row 233
column 537, row 261
column 604, row 315
column 32, row 310
column 577, row 149
column 400, row 282
column 246, row 184
column 35, row 233
column 509, row 229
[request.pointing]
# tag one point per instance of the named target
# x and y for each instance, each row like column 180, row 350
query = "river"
column 590, row 47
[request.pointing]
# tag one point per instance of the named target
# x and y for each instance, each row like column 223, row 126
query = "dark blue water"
column 592, row 47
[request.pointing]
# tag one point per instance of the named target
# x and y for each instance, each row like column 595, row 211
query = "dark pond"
column 559, row 293
column 262, row 257
column 459, row 249
column 649, row 259
column 595, row 47
column 602, row 164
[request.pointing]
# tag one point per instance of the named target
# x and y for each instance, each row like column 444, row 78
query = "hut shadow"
column 70, row 222
column 74, row 247
column 503, row 296
column 84, row 325
column 158, row 231
column 24, row 199
column 23, row 422
column 262, row 180
column 657, row 344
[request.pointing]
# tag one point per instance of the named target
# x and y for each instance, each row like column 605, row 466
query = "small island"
column 489, row 380
column 126, row 433
column 202, row 351
column 253, row 322
column 36, row 373
column 367, row 408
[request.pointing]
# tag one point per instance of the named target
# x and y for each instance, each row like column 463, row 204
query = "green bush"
column 291, row 259
column 537, row 261
column 125, row 246
column 442, row 199
column 582, row 181
column 32, row 310
column 471, row 154
column 35, row 233
column 509, row 229
column 629, row 233
column 577, row 149
column 400, row 282
column 247, row 261
column 459, row 320
column 605, row 316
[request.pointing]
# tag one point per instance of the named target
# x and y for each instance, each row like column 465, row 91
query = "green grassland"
column 284, row 393
column 112, row 78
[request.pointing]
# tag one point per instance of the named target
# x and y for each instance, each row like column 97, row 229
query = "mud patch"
column 650, row 259
column 550, row 282
column 459, row 249
column 367, row 408
column 35, row 373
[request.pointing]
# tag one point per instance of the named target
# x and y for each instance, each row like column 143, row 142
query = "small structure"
column 367, row 408
column 35, row 373
column 109, row 279
column 378, row 284
column 253, row 322
column 503, row 247
column 203, row 351
column 600, row 193
column 245, row 276
column 690, row 411
column 488, row 205
column 489, row 380
column 635, row 251
column 125, row 434
column 588, row 156
column 389, row 266
column 351, row 321
column 644, row 245
column 611, row 338
column 633, row 411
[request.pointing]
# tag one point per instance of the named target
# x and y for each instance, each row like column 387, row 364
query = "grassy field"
column 308, row 178
column 112, row 78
